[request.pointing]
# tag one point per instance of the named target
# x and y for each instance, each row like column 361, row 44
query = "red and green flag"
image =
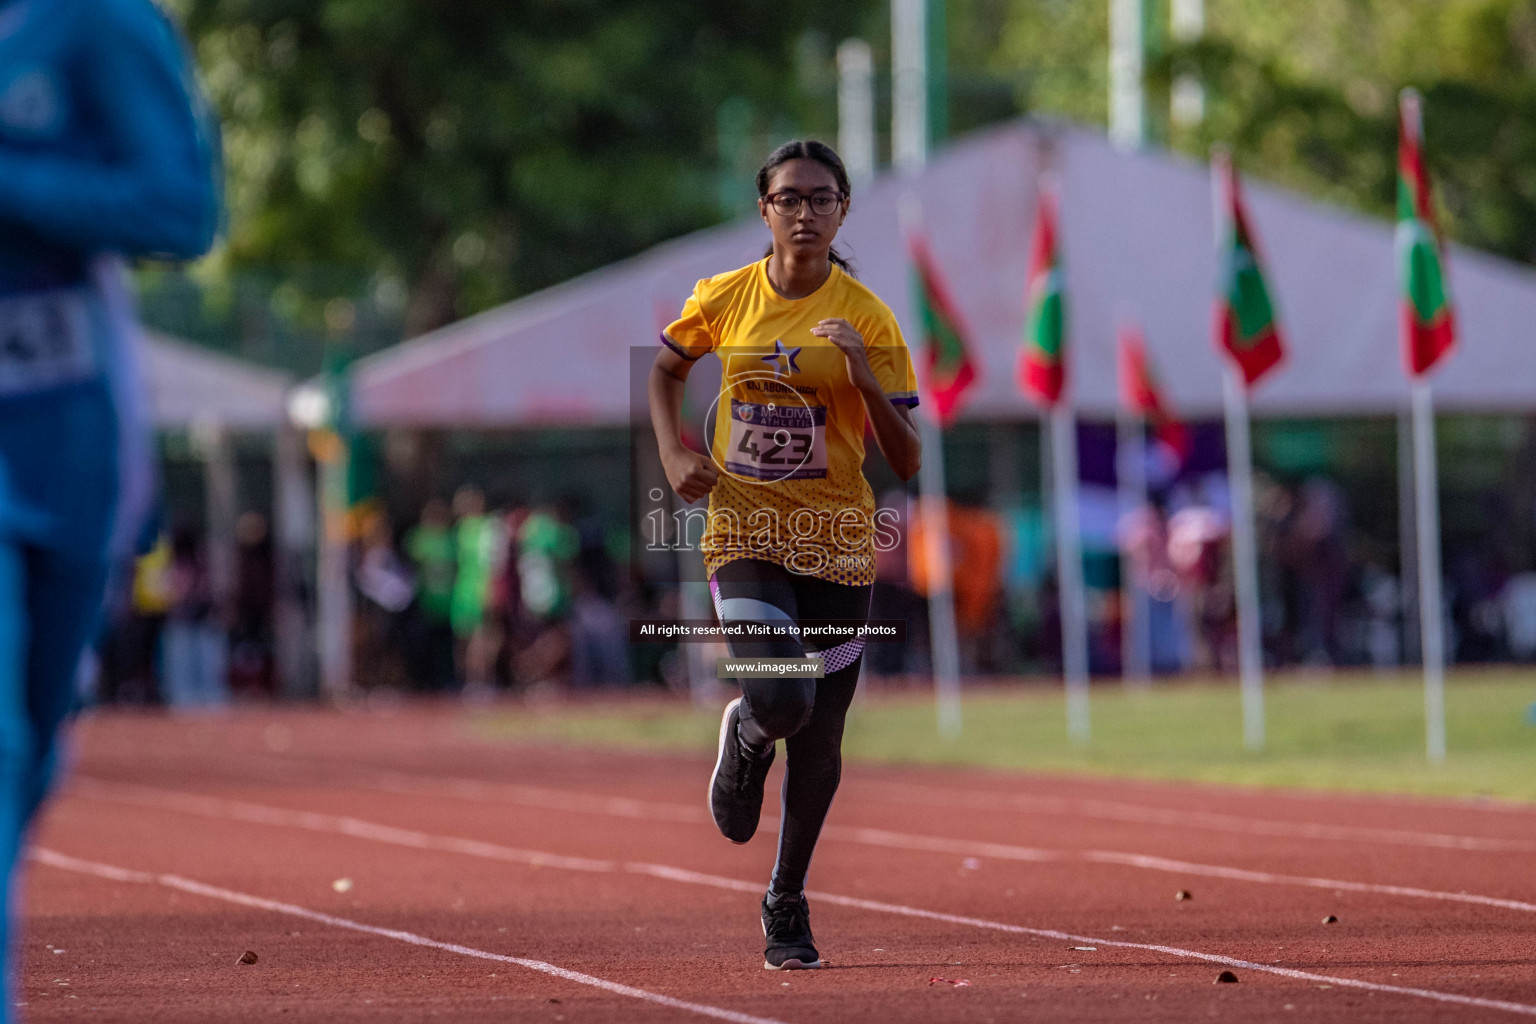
column 1429, row 328
column 1141, row 396
column 1042, row 361
column 948, row 369
column 1246, row 326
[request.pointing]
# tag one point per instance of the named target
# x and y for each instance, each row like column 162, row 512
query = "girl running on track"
column 105, row 150
column 810, row 356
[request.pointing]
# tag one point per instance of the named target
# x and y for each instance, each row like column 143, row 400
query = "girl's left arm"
column 895, row 433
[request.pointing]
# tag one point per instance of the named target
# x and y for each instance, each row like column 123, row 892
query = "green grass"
column 1345, row 732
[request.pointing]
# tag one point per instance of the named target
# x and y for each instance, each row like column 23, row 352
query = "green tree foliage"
column 1305, row 93
column 459, row 154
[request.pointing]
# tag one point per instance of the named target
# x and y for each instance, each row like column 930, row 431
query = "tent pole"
column 333, row 584
column 293, row 535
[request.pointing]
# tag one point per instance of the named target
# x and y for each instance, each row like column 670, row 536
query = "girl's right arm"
column 691, row 474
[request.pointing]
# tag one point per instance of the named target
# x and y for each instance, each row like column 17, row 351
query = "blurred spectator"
column 478, row 542
column 195, row 652
column 1383, row 601
column 546, row 549
column 893, row 597
column 599, row 643
column 250, row 635
column 130, row 666
column 1143, row 538
column 430, row 547
column 388, row 588
column 1519, row 600
column 1315, row 545
column 976, row 562
column 1197, row 551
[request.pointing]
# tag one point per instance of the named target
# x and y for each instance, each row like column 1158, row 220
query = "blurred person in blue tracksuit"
column 106, row 152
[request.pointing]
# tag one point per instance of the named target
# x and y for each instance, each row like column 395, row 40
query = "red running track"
column 541, row 883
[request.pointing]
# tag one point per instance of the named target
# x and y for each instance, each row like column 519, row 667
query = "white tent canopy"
column 1137, row 239
column 189, row 385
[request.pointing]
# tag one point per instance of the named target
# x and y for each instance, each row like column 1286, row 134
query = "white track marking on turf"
column 117, row 874
column 736, row 885
column 316, row 822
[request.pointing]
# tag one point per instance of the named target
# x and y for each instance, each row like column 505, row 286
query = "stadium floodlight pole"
column 909, row 143
column 909, row 85
column 1127, row 73
column 856, row 110
column 1187, row 99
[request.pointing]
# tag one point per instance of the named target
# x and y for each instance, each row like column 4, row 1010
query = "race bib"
column 777, row 442
column 45, row 341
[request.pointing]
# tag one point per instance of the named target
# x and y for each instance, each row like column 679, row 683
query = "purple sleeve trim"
column 675, row 347
column 909, row 401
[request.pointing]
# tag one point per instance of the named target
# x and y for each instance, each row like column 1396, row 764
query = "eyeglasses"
column 787, row 204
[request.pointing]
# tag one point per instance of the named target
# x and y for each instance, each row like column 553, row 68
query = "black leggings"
column 806, row 713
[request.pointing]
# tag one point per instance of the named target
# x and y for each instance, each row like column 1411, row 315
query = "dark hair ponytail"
column 808, row 149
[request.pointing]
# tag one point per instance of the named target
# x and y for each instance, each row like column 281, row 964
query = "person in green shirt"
column 430, row 545
column 480, row 543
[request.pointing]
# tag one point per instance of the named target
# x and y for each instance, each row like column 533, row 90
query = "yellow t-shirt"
column 789, row 424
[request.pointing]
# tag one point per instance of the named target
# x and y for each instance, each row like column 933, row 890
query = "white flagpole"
column 1427, row 507
column 944, row 644
column 909, row 141
column 1245, row 556
column 1427, row 515
column 1069, row 570
column 1131, row 474
column 1245, row 559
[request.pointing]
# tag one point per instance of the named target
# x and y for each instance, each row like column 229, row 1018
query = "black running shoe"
column 787, row 927
column 736, row 787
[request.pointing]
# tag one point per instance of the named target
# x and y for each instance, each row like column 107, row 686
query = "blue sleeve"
column 156, row 189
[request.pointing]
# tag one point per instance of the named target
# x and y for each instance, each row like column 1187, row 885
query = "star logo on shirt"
column 783, row 359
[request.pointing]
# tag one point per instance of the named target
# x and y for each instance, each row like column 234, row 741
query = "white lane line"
column 685, row 876
column 1003, row 851
column 575, row 800
column 1111, row 810
column 261, row 814
column 561, row 800
column 116, row 874
column 1108, row 810
column 698, row 878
